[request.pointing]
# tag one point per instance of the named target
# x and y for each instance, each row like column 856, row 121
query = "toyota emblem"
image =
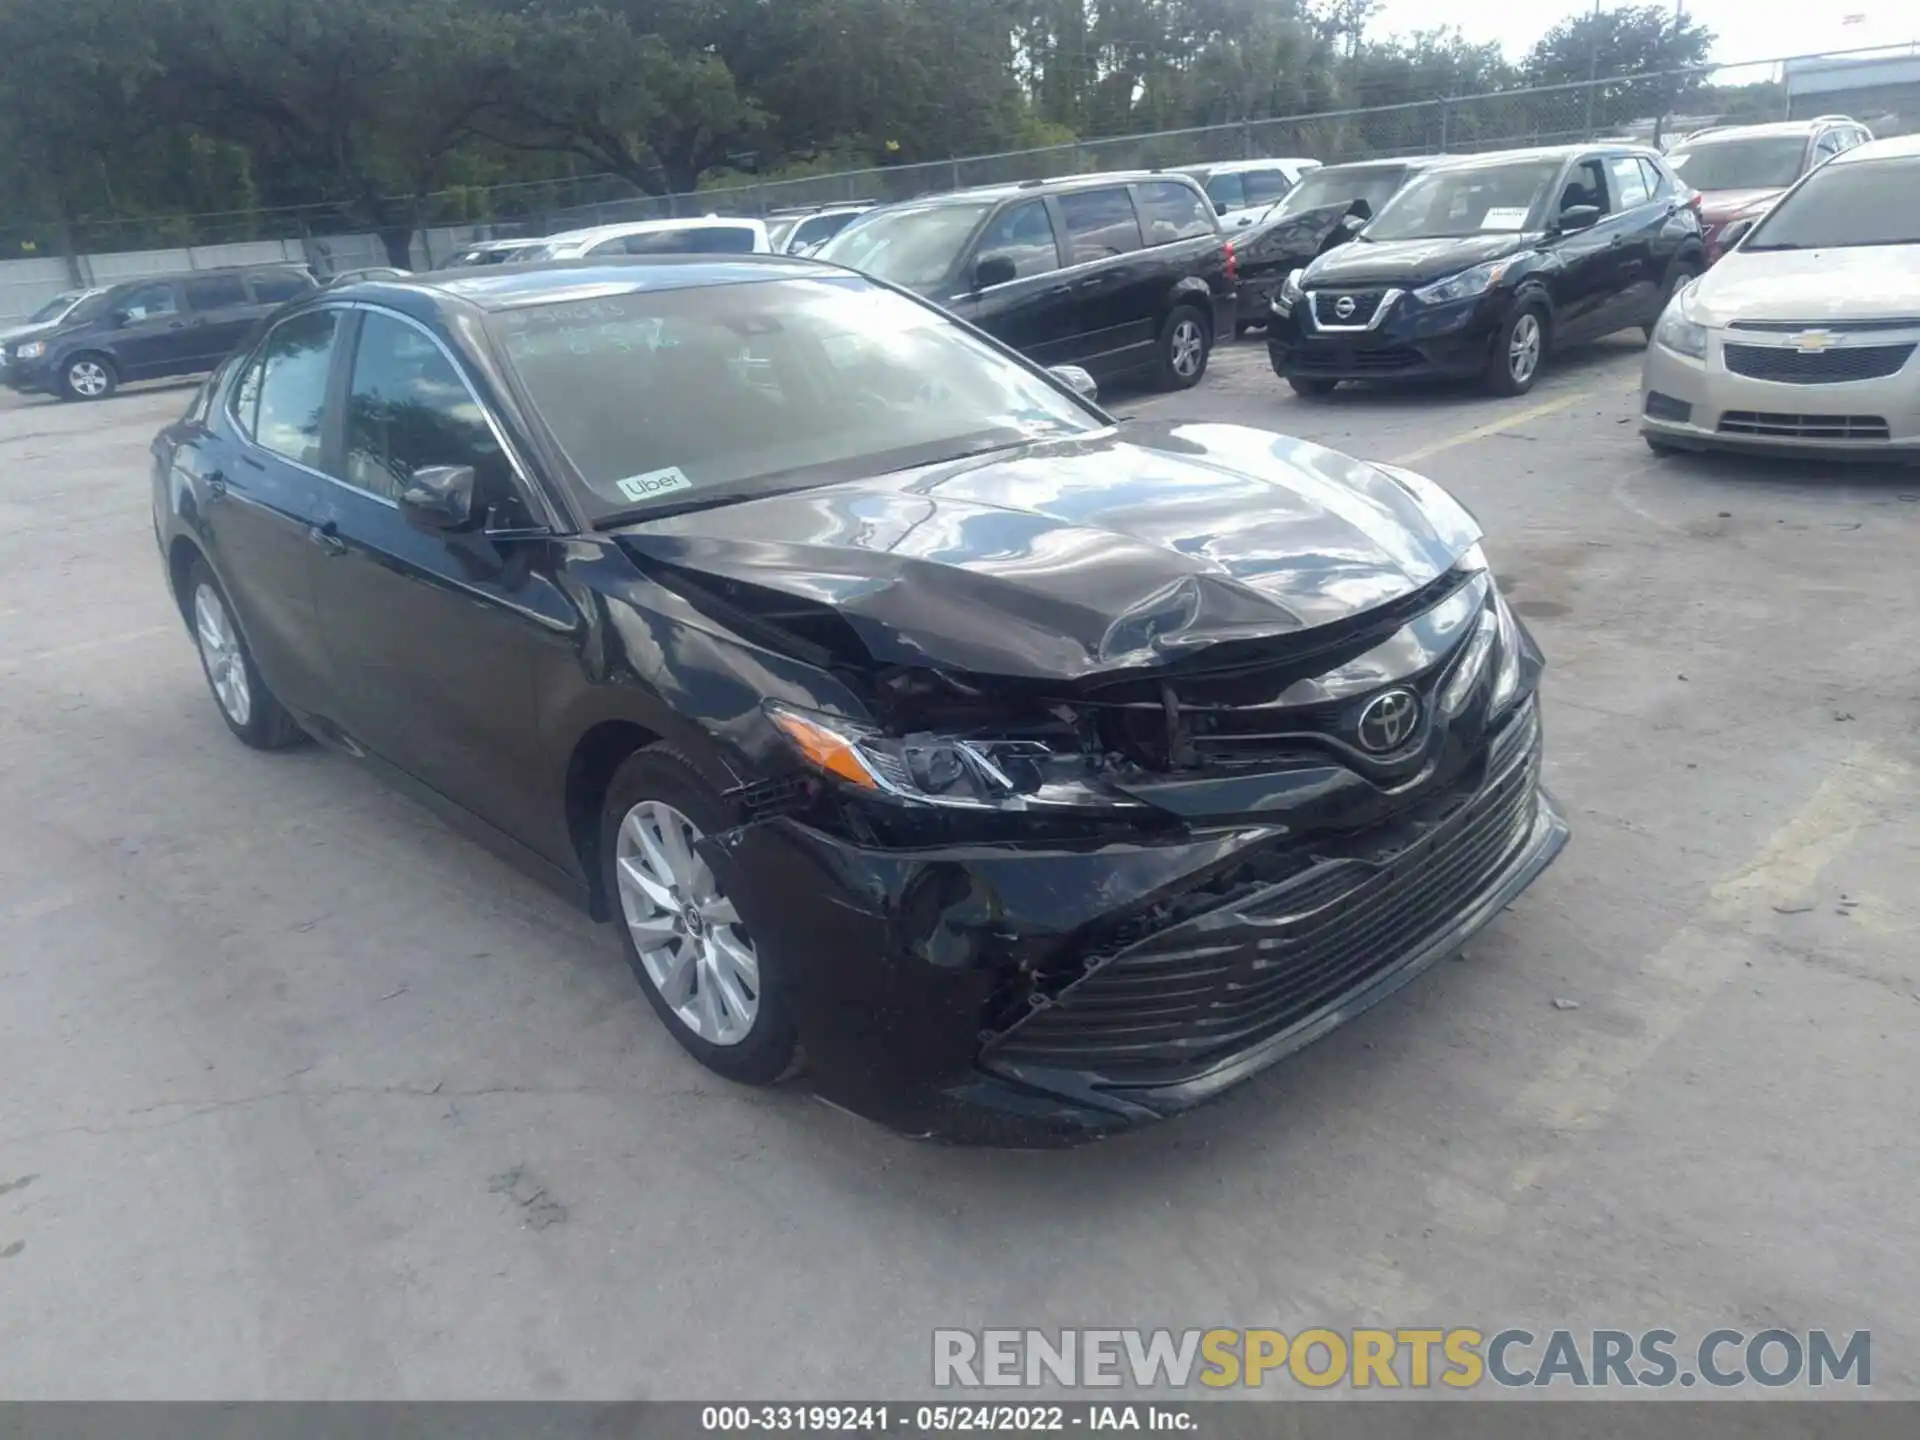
column 1388, row 721
column 1343, row 307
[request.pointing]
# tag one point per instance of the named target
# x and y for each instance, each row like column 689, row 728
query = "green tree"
column 1648, row 41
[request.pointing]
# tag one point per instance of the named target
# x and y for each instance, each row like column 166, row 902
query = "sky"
column 1748, row 29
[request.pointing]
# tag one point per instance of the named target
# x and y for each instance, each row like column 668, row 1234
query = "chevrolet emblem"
column 1813, row 342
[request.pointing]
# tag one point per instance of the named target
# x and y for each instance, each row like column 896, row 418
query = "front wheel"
column 1517, row 352
column 88, row 377
column 1184, row 346
column 705, row 968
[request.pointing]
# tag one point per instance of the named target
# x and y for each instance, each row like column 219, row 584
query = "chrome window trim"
column 1388, row 299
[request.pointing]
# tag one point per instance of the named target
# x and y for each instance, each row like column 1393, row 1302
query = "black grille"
column 1803, row 427
column 1326, row 306
column 1372, row 360
column 1827, row 367
column 1177, row 1001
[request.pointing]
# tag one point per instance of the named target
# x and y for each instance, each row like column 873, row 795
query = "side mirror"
column 118, row 319
column 1579, row 217
column 439, row 497
column 991, row 270
column 1360, row 210
column 1735, row 233
column 1219, row 207
column 1076, row 380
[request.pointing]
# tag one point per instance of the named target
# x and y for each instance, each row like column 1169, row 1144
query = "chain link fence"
column 1632, row 106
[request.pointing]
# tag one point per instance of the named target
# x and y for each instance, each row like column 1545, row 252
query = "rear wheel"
column 1517, row 352
column 1310, row 388
column 244, row 701
column 88, row 377
column 1185, row 344
column 705, row 970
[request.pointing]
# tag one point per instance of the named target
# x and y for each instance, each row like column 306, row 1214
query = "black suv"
column 148, row 328
column 1124, row 274
column 1483, row 266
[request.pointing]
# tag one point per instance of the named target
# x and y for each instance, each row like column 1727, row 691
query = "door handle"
column 1057, row 291
column 1092, row 282
column 1617, row 240
column 327, row 536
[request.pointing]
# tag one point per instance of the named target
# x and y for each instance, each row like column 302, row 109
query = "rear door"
column 1639, row 218
column 155, row 337
column 435, row 637
column 1034, row 311
column 263, row 474
column 1110, row 292
column 220, row 313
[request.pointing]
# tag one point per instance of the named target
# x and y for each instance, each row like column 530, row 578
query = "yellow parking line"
column 1481, row 432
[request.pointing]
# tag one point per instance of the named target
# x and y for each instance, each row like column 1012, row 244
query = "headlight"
column 31, row 350
column 1497, row 638
column 1677, row 333
column 1506, row 680
column 1466, row 284
column 931, row 769
column 1289, row 294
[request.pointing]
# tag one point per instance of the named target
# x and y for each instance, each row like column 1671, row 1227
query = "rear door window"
column 214, row 292
column 1171, row 211
column 288, row 389
column 1657, row 182
column 149, row 302
column 1100, row 224
column 1022, row 233
column 1629, row 182
column 275, row 287
column 1228, row 192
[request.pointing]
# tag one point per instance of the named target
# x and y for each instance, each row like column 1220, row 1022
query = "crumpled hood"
column 1128, row 547
column 1289, row 242
column 1409, row 262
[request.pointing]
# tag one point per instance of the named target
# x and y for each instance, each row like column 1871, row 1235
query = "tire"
column 733, row 1018
column 1515, row 362
column 88, row 377
column 1658, row 446
column 1311, row 389
column 1682, row 272
column 239, row 694
column 1185, row 345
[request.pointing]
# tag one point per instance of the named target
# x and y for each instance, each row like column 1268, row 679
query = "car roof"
column 1491, row 158
column 1236, row 167
column 1403, row 162
column 654, row 227
column 1894, row 147
column 517, row 242
column 513, row 287
column 1054, row 185
column 1784, row 128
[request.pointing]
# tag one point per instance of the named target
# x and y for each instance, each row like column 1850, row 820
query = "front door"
column 220, row 312
column 436, row 638
column 1032, row 312
column 155, row 337
column 1585, row 288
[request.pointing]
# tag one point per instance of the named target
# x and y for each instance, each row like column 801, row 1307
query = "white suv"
column 713, row 235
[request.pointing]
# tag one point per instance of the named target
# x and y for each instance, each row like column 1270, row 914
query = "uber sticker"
column 654, row 482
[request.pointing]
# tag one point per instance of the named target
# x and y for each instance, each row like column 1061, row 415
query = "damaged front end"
column 1023, row 910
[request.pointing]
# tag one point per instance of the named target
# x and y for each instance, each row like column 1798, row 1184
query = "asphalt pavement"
column 301, row 1095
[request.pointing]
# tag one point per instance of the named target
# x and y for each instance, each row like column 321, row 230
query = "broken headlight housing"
column 1496, row 637
column 929, row 768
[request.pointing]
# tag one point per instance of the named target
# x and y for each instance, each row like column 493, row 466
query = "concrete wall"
column 26, row 285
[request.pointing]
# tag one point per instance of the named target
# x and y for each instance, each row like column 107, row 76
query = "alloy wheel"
column 689, row 937
column 1189, row 344
column 88, row 378
column 1523, row 349
column 220, row 652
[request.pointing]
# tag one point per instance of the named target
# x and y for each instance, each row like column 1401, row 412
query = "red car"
column 1740, row 170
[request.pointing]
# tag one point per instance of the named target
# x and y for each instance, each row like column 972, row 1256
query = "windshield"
column 915, row 248
column 1474, row 200
column 1863, row 202
column 1763, row 162
column 58, row 306
column 1342, row 187
column 727, row 391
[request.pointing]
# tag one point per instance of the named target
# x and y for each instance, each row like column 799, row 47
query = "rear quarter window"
column 1170, row 211
column 1100, row 224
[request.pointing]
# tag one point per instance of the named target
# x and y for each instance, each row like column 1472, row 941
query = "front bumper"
column 1403, row 339
column 1701, row 404
column 28, row 377
column 1195, row 969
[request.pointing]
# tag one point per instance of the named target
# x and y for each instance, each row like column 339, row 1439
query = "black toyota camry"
column 1029, row 773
